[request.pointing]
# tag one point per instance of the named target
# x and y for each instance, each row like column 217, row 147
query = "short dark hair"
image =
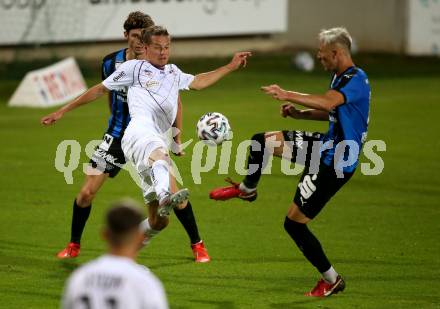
column 122, row 220
column 138, row 20
column 153, row 30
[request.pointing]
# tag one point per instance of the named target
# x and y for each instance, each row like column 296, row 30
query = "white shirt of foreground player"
column 152, row 93
column 113, row 282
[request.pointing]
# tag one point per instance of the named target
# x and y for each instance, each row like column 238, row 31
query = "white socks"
column 161, row 178
column 148, row 231
column 330, row 275
column 243, row 188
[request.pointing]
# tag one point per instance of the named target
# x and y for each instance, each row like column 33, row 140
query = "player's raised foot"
column 71, row 251
column 236, row 190
column 200, row 252
column 324, row 289
column 170, row 201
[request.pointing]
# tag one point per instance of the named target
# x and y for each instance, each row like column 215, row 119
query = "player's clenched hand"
column 51, row 118
column 276, row 92
column 239, row 60
column 177, row 149
column 288, row 109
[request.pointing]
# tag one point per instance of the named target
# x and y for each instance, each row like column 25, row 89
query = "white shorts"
column 137, row 147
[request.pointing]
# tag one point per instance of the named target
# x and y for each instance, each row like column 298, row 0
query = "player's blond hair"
column 151, row 31
column 336, row 36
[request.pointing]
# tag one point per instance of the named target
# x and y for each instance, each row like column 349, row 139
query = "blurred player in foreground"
column 108, row 157
column 329, row 165
column 153, row 90
column 115, row 280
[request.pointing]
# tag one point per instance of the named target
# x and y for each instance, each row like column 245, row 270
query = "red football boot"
column 324, row 289
column 71, row 251
column 200, row 252
column 226, row 193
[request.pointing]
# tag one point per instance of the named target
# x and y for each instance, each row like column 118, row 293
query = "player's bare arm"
column 89, row 96
column 110, row 102
column 204, row 80
column 325, row 102
column 289, row 110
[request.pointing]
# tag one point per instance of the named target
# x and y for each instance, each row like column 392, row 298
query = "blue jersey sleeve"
column 350, row 87
column 105, row 69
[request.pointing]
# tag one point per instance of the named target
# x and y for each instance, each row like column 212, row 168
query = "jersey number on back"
column 110, row 302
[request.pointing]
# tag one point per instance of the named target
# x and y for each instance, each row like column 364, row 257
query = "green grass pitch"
column 380, row 232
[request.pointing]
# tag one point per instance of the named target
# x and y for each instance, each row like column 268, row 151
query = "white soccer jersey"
column 113, row 282
column 152, row 93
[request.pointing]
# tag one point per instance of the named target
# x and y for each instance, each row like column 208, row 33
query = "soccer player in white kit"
column 115, row 280
column 153, row 88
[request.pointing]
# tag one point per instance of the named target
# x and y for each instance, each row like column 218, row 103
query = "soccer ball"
column 214, row 128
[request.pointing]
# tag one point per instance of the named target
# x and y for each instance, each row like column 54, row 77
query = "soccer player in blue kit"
column 108, row 157
column 327, row 167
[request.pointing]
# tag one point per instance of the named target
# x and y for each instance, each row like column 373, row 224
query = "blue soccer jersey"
column 348, row 121
column 120, row 116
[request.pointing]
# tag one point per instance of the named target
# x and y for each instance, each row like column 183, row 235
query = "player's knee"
column 159, row 155
column 259, row 138
column 85, row 197
column 294, row 229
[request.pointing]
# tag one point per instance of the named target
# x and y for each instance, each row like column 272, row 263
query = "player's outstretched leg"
column 82, row 206
column 161, row 180
column 295, row 225
column 154, row 224
column 262, row 147
column 184, row 213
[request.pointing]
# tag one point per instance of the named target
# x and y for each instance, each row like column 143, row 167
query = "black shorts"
column 305, row 147
column 108, row 156
column 319, row 182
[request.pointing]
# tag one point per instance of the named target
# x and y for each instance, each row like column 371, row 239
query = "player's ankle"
column 330, row 276
column 246, row 188
column 162, row 197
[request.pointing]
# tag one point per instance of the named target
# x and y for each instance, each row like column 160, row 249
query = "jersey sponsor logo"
column 122, row 96
column 119, row 76
column 151, row 84
column 147, row 73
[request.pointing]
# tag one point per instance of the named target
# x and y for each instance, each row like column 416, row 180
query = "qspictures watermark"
column 206, row 158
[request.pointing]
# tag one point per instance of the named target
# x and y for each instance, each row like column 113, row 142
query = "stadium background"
column 380, row 231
